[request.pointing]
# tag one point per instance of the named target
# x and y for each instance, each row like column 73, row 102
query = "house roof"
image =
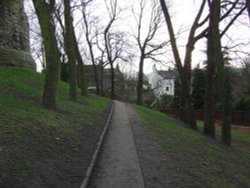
column 108, row 72
column 169, row 74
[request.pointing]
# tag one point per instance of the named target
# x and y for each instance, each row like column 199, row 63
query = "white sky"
column 183, row 13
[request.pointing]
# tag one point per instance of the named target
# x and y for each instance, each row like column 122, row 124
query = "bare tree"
column 44, row 12
column 148, row 47
column 111, row 42
column 184, row 71
column 102, row 63
column 80, row 67
column 89, row 38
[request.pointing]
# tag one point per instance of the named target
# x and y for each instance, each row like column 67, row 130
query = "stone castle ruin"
column 14, row 35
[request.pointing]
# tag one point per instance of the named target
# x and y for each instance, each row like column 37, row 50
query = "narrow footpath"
column 118, row 164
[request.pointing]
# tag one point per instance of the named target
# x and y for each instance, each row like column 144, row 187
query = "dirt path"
column 118, row 165
column 155, row 161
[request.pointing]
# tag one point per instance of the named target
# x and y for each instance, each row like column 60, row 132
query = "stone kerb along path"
column 118, row 164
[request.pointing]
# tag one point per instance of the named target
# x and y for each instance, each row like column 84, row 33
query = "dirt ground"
column 152, row 156
column 242, row 129
column 52, row 170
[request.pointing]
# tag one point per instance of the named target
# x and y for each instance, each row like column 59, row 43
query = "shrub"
column 242, row 104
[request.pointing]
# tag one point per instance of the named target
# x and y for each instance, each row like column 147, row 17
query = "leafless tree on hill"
column 149, row 48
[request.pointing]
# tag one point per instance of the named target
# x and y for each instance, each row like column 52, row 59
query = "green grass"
column 196, row 160
column 30, row 133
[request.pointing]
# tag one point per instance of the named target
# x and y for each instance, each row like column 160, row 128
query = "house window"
column 167, row 88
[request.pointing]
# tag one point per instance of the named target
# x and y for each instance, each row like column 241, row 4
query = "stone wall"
column 14, row 35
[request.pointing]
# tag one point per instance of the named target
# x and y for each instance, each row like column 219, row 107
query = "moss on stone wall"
column 14, row 35
column 10, row 57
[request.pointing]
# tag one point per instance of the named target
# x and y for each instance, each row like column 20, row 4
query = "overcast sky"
column 183, row 13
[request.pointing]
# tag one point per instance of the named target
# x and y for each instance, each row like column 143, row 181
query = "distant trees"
column 198, row 88
column 82, row 82
column 112, row 43
column 88, row 22
column 106, row 44
column 148, row 47
column 246, row 75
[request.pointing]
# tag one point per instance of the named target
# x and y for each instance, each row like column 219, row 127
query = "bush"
column 242, row 104
column 167, row 102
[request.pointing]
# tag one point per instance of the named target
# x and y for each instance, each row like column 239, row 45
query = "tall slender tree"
column 113, row 12
column 81, row 70
column 44, row 12
column 148, row 48
column 213, row 56
column 184, row 71
column 87, row 30
column 216, row 64
column 70, row 51
column 214, row 38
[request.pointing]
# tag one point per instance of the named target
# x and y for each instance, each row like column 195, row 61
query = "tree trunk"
column 209, row 128
column 212, row 59
column 226, row 113
column 223, row 81
column 112, row 94
column 70, row 50
column 215, row 57
column 102, row 81
column 248, row 7
column 140, row 82
column 95, row 68
column 52, row 53
column 82, row 74
column 187, row 110
column 96, row 77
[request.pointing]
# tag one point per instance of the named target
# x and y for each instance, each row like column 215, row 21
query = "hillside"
column 42, row 148
column 181, row 157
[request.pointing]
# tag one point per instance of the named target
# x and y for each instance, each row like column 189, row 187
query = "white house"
column 162, row 82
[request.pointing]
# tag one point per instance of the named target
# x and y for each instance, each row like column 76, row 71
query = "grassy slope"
column 39, row 147
column 202, row 162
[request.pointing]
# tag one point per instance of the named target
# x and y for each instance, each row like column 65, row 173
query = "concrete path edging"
column 94, row 157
